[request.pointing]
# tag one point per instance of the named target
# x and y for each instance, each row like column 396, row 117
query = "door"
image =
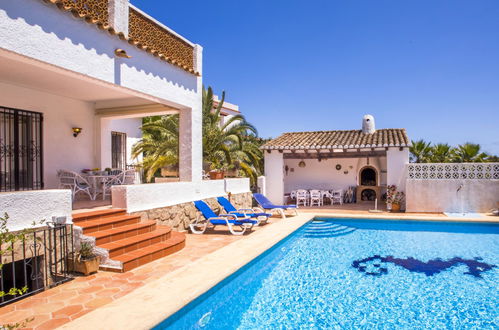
column 21, row 152
column 118, row 147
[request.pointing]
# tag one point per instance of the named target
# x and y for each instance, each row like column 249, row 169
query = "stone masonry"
column 180, row 216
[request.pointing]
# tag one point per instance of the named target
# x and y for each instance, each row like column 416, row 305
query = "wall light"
column 76, row 131
column 302, row 164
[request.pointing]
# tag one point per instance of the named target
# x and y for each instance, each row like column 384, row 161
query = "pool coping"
column 148, row 305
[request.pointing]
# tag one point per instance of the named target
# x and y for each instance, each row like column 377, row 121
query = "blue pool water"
column 349, row 273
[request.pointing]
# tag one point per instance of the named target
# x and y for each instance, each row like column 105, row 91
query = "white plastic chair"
column 337, row 197
column 315, row 198
column 109, row 182
column 301, row 197
column 75, row 182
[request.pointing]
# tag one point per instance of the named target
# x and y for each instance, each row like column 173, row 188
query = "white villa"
column 76, row 79
column 368, row 159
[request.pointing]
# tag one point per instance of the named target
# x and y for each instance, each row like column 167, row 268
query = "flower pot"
column 395, row 207
column 217, row 175
column 84, row 266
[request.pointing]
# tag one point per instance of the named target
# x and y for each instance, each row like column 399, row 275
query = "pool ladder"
column 326, row 229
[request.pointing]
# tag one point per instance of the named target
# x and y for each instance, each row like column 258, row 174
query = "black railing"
column 21, row 150
column 37, row 262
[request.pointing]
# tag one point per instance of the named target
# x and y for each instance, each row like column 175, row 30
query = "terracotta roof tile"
column 353, row 139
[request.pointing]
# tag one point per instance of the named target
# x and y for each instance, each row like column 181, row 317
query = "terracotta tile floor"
column 59, row 305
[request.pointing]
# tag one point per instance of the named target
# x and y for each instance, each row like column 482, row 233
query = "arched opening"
column 368, row 195
column 368, row 177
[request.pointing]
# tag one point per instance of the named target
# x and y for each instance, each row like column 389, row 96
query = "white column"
column 274, row 173
column 118, row 15
column 396, row 161
column 190, row 130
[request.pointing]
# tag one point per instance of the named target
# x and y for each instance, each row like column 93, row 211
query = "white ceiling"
column 35, row 77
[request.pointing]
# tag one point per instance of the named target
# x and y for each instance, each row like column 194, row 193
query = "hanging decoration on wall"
column 338, row 167
column 302, row 164
column 345, row 172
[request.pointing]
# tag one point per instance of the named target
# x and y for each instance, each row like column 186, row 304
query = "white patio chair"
column 109, row 182
column 315, row 198
column 75, row 182
column 301, row 197
column 337, row 197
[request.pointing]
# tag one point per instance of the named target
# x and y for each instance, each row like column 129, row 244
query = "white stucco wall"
column 43, row 32
column 26, row 207
column 60, row 114
column 274, row 173
column 396, row 161
column 130, row 126
column 443, row 195
column 324, row 175
column 141, row 197
column 40, row 31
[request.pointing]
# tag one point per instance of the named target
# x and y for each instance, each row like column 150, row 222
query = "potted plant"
column 86, row 262
column 217, row 171
column 394, row 198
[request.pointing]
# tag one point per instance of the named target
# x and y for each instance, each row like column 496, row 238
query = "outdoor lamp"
column 302, row 164
column 76, row 131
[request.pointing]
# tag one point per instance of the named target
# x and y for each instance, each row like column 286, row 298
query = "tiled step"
column 127, row 245
column 155, row 251
column 99, row 224
column 85, row 216
column 110, row 235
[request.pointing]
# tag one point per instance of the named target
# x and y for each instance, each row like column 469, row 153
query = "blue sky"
column 430, row 66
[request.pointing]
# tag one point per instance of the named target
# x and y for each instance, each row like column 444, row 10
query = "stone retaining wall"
column 181, row 215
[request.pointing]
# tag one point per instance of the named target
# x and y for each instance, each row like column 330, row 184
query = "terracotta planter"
column 217, row 175
column 395, row 208
column 85, row 267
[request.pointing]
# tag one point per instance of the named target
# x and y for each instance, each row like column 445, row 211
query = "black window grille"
column 21, row 150
column 118, row 147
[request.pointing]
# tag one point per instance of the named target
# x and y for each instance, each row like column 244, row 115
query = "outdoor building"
column 75, row 83
column 228, row 110
column 367, row 159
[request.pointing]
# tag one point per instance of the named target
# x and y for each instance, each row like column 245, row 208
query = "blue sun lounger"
column 268, row 206
column 255, row 214
column 211, row 218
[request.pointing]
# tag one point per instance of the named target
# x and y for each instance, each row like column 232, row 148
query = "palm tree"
column 420, row 151
column 469, row 153
column 233, row 142
column 159, row 144
column 230, row 143
column 441, row 153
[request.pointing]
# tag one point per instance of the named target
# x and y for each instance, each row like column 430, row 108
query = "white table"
column 96, row 181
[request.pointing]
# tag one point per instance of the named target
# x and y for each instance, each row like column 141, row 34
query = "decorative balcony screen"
column 21, row 162
column 96, row 9
column 157, row 39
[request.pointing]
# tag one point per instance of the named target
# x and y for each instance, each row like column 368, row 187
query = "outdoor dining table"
column 95, row 181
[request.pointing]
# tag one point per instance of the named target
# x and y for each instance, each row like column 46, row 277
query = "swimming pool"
column 352, row 273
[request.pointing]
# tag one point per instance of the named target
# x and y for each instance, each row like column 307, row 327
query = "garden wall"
column 181, row 215
column 455, row 188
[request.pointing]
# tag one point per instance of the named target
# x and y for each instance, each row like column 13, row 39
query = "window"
column 21, row 161
column 118, row 150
